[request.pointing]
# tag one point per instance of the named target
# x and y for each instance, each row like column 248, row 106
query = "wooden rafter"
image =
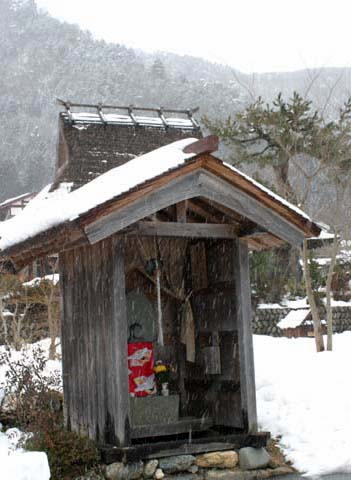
column 224, row 211
column 204, row 213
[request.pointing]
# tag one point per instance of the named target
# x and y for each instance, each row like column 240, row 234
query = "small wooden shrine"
column 157, row 274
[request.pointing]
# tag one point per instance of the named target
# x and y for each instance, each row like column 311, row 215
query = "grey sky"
column 251, row 35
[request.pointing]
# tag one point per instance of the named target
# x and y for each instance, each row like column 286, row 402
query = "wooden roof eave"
column 53, row 240
column 216, row 166
column 56, row 238
column 72, row 233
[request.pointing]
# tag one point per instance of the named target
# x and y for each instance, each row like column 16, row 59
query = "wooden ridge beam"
column 175, row 229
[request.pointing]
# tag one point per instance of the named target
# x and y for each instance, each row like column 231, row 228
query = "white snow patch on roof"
column 324, row 235
column 8, row 201
column 49, row 209
column 44, row 211
column 126, row 119
column 293, row 319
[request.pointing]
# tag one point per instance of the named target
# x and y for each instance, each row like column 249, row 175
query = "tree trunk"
column 282, row 177
column 53, row 332
column 53, row 319
column 3, row 320
column 328, row 293
column 314, row 310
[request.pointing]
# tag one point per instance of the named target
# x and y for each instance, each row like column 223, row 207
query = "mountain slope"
column 42, row 58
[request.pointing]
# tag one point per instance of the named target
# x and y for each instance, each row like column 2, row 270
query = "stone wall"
column 246, row 464
column 341, row 319
column 265, row 320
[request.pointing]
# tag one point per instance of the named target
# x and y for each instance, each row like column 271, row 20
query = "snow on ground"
column 15, row 463
column 305, row 398
column 53, row 277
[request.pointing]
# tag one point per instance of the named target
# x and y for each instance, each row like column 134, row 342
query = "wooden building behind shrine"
column 156, row 250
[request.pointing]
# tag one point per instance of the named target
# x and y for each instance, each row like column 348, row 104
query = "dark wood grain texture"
column 244, row 318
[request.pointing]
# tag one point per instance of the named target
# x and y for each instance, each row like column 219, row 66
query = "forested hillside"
column 42, row 59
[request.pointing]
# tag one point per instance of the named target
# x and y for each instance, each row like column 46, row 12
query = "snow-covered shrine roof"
column 51, row 213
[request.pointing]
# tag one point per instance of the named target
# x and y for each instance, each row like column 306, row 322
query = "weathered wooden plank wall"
column 218, row 395
column 244, row 319
column 94, row 342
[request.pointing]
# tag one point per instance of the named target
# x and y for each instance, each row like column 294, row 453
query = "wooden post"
column 244, row 318
column 182, row 208
column 119, row 399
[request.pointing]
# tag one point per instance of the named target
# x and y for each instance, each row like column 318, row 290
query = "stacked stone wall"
column 265, row 320
column 246, row 464
column 341, row 319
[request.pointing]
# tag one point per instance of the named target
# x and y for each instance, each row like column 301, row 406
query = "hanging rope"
column 159, row 306
column 152, row 250
column 187, row 331
column 159, row 299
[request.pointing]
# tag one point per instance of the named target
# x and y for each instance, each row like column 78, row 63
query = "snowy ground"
column 15, row 463
column 302, row 397
column 305, row 398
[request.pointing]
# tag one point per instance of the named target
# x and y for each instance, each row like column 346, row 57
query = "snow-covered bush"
column 69, row 454
column 32, row 396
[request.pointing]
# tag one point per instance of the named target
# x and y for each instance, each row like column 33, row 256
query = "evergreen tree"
column 290, row 134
